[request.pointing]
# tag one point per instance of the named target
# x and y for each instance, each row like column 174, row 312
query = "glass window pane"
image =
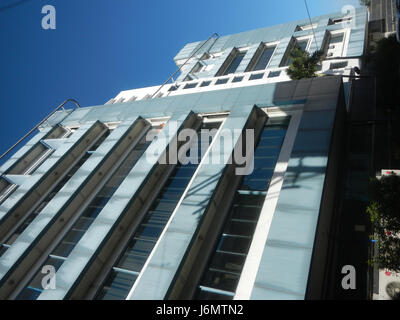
column 234, row 244
column 227, row 262
column 136, row 254
column 302, row 44
column 205, row 83
column 337, row 38
column 117, row 286
column 240, row 228
column 222, row 81
column 221, row 280
column 256, row 76
column 264, row 58
column 235, row 63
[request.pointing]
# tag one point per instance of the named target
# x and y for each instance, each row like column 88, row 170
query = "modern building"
column 89, row 198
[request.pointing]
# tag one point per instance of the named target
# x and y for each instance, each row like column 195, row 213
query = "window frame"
column 258, row 54
column 230, row 59
column 284, row 63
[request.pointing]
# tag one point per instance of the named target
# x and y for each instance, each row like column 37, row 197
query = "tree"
column 384, row 213
column 303, row 65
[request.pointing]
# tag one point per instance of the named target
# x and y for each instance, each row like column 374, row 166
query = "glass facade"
column 128, row 266
column 76, row 232
column 39, row 207
column 221, row 276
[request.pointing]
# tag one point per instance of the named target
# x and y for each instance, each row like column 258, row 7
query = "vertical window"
column 234, row 63
column 222, row 274
column 199, row 67
column 263, row 58
column 123, row 274
column 78, row 229
column 302, row 44
column 40, row 206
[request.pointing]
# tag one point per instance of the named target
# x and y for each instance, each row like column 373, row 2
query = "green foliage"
column 303, row 64
column 384, row 213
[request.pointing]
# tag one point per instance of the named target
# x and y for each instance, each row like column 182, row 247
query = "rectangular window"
column 173, row 88
column 205, row 83
column 237, row 79
column 222, row 274
column 235, row 60
column 256, row 76
column 337, row 38
column 222, row 81
column 274, row 74
column 191, row 85
column 263, row 58
column 145, row 237
column 338, row 65
column 303, row 44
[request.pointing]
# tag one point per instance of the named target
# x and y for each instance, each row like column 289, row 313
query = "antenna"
column 309, row 17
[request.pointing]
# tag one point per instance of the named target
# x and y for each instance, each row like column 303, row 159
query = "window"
column 205, row 83
column 232, row 63
column 187, row 78
column 173, row 88
column 302, row 43
column 199, row 67
column 337, row 38
column 222, row 81
column 223, row 271
column 256, row 76
column 132, row 259
column 263, row 58
column 338, row 65
column 190, row 85
column 237, row 79
column 274, row 74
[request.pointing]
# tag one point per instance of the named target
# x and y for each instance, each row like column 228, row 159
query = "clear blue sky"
column 101, row 47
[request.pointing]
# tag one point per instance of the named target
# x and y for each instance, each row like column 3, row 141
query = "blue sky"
column 100, row 47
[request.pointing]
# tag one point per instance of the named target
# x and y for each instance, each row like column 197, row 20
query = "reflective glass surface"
column 146, row 235
column 221, row 276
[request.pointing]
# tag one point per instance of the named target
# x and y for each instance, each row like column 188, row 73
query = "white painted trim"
column 252, row 263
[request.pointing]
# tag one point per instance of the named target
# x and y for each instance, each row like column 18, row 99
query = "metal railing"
column 61, row 106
